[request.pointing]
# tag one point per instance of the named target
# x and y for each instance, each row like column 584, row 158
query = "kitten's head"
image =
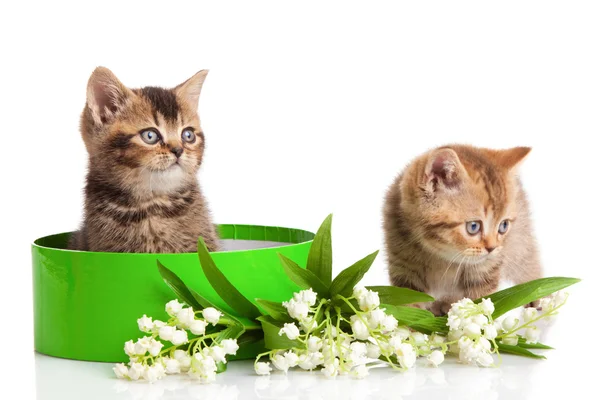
column 466, row 201
column 147, row 139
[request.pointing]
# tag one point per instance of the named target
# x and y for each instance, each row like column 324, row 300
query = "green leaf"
column 407, row 315
column 431, row 325
column 302, row 277
column 398, row 296
column 275, row 310
column 223, row 287
column 348, row 278
column 504, row 348
column 271, row 330
column 221, row 367
column 177, row 285
column 232, row 332
column 320, row 258
column 519, row 295
column 243, row 321
column 524, row 345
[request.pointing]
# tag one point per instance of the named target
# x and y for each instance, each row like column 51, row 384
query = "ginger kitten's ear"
column 510, row 159
column 190, row 89
column 444, row 170
column 106, row 95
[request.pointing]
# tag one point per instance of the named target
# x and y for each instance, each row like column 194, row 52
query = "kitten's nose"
column 177, row 151
column 490, row 249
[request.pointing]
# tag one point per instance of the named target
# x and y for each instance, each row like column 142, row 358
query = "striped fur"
column 140, row 197
column 425, row 215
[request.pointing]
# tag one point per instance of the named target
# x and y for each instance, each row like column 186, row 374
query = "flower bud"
column 290, row 330
column 166, row 332
column 369, row 301
column 262, row 368
column 529, row 314
column 155, row 347
column 360, row 330
column 230, row 346
column 291, row 358
column 172, row 366
column 435, row 358
column 130, row 348
column 472, row 330
column 198, row 327
column 173, row 307
column 136, row 371
column 280, row 362
column 511, row 340
column 360, row 372
column 490, row 332
column 314, row 343
column 509, row 323
column 185, row 317
column 145, row 324
column 532, row 334
column 211, row 315
column 373, row 351
column 179, row 337
column 389, row 323
column 487, row 306
column 121, row 371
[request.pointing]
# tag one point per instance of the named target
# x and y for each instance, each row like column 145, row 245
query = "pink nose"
column 490, row 249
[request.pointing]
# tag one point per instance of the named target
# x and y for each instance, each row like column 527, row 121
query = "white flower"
column 402, row 332
column 203, row 368
column 532, row 334
column 373, row 351
column 454, row 322
column 173, row 307
column 359, row 292
column 154, row 373
column 185, row 317
column 121, row 371
column 198, row 327
column 487, row 306
column 406, row 355
column 490, row 332
column 296, row 309
column 389, row 323
column 179, row 337
column 369, row 301
column 437, row 340
column 130, row 348
column 395, row 342
column 155, row 347
column 484, row 344
column 308, row 324
column 166, row 332
column 359, row 349
column 211, row 315
column 435, row 358
column 480, row 320
column 145, row 324
column 230, row 346
column 529, row 314
column 559, row 298
column 375, row 317
column 184, row 359
column 291, row 358
column 472, row 330
column 317, row 358
column 216, row 352
column 331, row 370
column 136, row 371
column 142, row 345
column 511, row 340
column 290, row 330
column 280, row 362
column 307, row 296
column 305, row 362
column 262, row 368
column 314, row 343
column 509, row 323
column 172, row 366
column 359, row 329
column 485, row 359
column 360, row 372
column 419, row 338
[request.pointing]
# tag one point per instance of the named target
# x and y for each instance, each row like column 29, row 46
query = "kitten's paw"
column 535, row 304
column 440, row 308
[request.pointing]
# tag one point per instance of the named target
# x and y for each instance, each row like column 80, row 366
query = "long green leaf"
column 223, row 287
column 520, row 295
column 407, row 315
column 271, row 330
column 243, row 321
column 348, row 278
column 431, row 325
column 302, row 277
column 523, row 344
column 320, row 258
column 504, row 348
column 177, row 285
column 399, row 296
column 275, row 310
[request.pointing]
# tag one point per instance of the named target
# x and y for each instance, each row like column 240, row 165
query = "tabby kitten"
column 145, row 147
column 456, row 221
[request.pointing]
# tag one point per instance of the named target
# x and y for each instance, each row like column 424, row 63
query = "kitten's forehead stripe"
column 163, row 101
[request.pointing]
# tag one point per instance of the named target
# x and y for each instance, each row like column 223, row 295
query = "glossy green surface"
column 86, row 304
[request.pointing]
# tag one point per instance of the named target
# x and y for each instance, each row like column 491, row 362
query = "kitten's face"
column 149, row 139
column 470, row 202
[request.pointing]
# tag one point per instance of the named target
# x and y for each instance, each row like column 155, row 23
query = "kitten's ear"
column 511, row 158
column 444, row 170
column 106, row 95
column 190, row 89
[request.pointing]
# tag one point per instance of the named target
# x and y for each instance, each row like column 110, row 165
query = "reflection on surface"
column 65, row 380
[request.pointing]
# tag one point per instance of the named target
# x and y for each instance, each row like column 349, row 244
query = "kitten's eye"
column 473, row 227
column 188, row 136
column 150, row 137
column 503, row 226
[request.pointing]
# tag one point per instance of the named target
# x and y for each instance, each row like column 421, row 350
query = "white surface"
column 312, row 108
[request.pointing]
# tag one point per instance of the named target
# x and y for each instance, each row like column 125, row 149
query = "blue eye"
column 188, row 136
column 503, row 226
column 473, row 227
column 150, row 137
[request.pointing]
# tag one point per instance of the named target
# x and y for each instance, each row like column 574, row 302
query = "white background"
column 311, row 108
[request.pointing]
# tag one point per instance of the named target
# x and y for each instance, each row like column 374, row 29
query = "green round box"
column 86, row 304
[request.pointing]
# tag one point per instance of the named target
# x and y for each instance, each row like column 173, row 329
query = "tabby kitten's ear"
column 510, row 159
column 190, row 89
column 106, row 95
column 444, row 171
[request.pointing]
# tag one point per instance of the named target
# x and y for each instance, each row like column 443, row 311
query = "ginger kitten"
column 456, row 221
column 145, row 147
